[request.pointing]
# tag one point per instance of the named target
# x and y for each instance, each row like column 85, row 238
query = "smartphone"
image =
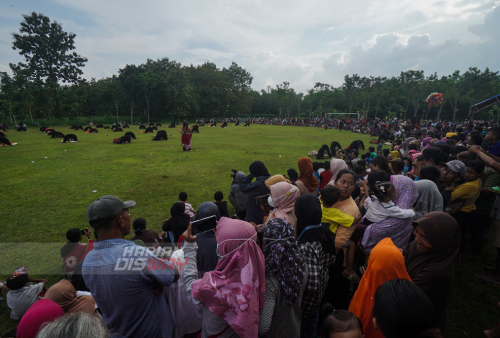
column 262, row 200
column 83, row 231
column 204, row 224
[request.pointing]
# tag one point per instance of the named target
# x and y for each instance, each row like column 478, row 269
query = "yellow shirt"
column 336, row 217
column 464, row 191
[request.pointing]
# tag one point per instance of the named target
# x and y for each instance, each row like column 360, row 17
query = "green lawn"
column 47, row 186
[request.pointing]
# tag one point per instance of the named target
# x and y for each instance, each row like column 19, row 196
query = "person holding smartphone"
column 73, row 252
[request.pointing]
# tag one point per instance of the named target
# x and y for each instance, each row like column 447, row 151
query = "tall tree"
column 47, row 52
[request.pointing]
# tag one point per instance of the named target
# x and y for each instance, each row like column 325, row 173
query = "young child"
column 183, row 196
column 354, row 157
column 325, row 176
column 329, row 196
column 339, row 324
column 465, row 196
column 222, row 205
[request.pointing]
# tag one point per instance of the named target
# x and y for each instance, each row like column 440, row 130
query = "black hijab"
column 206, row 256
column 308, row 212
column 257, row 169
column 179, row 221
column 292, row 174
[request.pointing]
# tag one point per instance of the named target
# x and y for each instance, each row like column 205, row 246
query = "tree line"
column 48, row 85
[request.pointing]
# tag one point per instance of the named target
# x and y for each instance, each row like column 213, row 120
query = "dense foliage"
column 49, row 86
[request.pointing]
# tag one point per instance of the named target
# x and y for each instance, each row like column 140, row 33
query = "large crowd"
column 356, row 242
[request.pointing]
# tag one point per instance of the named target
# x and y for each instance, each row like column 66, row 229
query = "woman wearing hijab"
column 398, row 229
column 429, row 198
column 317, row 245
column 178, row 222
column 386, row 263
column 233, row 294
column 336, row 165
column 286, row 276
column 275, row 179
column 64, row 294
column 307, row 182
column 255, row 189
column 41, row 312
column 293, row 176
column 186, row 133
column 206, row 256
column 431, row 258
column 426, row 142
column 283, row 197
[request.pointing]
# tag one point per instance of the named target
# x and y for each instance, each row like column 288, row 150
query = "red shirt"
column 326, row 176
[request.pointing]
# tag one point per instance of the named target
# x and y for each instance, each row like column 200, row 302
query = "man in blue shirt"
column 493, row 139
column 126, row 280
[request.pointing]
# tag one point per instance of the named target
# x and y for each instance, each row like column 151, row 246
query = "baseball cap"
column 433, row 153
column 105, row 208
column 456, row 166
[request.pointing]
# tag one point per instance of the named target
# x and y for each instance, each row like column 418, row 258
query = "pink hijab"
column 234, row 291
column 336, row 165
column 426, row 142
column 284, row 196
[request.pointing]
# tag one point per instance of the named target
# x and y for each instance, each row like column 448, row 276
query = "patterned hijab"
column 284, row 196
column 283, row 258
column 306, row 173
column 234, row 291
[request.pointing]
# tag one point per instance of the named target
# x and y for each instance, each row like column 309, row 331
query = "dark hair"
column 400, row 164
column 337, row 321
column 495, row 131
column 330, row 195
column 457, row 150
column 343, row 172
column 430, row 172
column 218, row 196
column 363, row 156
column 410, row 162
column 362, row 163
column 385, row 152
column 466, row 156
column 359, row 169
column 381, row 190
column 355, row 152
column 139, row 225
column 377, row 176
column 17, row 282
column 412, row 146
column 315, row 166
column 183, row 196
column 73, row 236
column 402, row 309
column 326, row 165
column 241, row 213
column 381, row 162
column 475, row 139
column 355, row 193
column 477, row 165
column 371, row 149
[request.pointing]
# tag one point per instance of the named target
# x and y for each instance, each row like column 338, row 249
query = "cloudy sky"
column 302, row 42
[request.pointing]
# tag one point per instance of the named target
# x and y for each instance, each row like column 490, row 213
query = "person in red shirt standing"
column 74, row 251
column 325, row 176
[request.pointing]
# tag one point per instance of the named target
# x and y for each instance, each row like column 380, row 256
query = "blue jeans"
column 309, row 326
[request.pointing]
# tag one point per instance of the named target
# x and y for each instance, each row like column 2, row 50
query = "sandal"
column 362, row 270
column 353, row 278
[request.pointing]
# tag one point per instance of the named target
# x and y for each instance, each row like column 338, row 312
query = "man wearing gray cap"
column 126, row 280
column 451, row 173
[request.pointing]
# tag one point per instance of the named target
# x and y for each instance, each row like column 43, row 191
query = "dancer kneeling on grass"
column 70, row 138
column 4, row 142
column 160, row 136
column 123, row 140
column 186, row 136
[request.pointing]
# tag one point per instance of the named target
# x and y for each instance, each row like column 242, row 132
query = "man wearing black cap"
column 126, row 280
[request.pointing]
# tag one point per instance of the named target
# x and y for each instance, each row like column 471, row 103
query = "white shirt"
column 20, row 300
column 377, row 211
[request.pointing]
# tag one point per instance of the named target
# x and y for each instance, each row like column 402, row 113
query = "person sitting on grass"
column 123, row 140
column 334, row 217
column 4, row 142
column 149, row 237
column 69, row 138
column 21, row 297
column 325, row 176
column 222, row 205
column 183, row 196
column 74, row 252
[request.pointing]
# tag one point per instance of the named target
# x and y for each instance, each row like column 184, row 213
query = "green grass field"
column 47, row 186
